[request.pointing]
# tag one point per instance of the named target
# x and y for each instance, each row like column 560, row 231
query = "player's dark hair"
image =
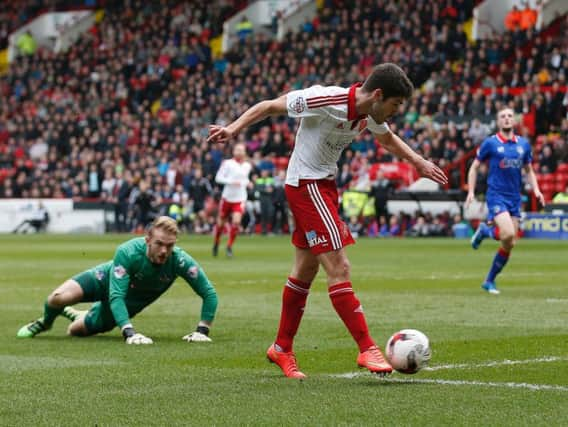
column 391, row 79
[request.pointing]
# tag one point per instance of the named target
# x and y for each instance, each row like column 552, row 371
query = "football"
column 408, row 351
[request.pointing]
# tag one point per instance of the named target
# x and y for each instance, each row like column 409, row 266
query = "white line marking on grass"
column 547, row 359
column 535, row 387
column 556, row 300
column 491, row 364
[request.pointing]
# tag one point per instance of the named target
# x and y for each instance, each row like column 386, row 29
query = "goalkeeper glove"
column 200, row 335
column 132, row 337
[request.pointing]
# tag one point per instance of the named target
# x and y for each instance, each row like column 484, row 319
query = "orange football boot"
column 286, row 361
column 374, row 361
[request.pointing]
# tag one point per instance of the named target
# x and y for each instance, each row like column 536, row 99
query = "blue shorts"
column 497, row 204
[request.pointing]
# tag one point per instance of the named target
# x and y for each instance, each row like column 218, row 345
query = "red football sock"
column 234, row 230
column 349, row 309
column 218, row 232
column 496, row 233
column 293, row 302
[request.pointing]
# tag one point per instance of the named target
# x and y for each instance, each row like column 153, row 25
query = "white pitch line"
column 494, row 363
column 535, row 387
column 489, row 364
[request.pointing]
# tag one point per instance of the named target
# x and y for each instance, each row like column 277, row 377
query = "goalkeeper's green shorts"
column 92, row 283
column 99, row 318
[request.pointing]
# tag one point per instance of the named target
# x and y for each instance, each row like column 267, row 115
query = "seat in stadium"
column 281, row 162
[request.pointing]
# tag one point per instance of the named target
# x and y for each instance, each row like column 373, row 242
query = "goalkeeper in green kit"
column 142, row 269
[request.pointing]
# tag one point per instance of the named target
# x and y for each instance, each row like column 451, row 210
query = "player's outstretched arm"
column 534, row 184
column 399, row 148
column 258, row 112
column 118, row 289
column 471, row 180
column 194, row 275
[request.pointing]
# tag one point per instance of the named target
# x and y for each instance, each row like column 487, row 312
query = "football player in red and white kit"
column 234, row 175
column 331, row 117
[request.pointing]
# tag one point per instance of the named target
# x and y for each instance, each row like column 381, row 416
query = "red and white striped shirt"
column 329, row 124
column 234, row 175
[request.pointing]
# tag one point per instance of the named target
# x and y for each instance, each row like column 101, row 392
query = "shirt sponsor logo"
column 193, row 271
column 338, row 145
column 314, row 240
column 119, row 272
column 510, row 163
column 299, row 105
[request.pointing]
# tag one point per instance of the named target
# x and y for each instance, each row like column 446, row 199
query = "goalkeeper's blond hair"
column 165, row 223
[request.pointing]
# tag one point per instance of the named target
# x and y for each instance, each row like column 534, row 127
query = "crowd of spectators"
column 15, row 13
column 122, row 116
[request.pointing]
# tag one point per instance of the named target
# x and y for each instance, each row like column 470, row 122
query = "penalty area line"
column 528, row 386
column 534, row 387
column 494, row 363
column 489, row 364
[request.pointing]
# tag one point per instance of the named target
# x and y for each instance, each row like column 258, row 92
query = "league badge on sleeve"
column 298, row 105
column 193, row 271
column 119, row 272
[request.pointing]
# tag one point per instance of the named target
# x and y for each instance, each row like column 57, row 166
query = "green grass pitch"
column 496, row 360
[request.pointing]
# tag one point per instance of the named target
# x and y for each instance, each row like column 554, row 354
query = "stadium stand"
column 122, row 116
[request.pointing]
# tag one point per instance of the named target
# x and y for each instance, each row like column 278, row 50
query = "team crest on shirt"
column 298, row 105
column 165, row 278
column 119, row 272
column 501, row 149
column 100, row 275
column 520, row 150
column 193, row 271
column 314, row 240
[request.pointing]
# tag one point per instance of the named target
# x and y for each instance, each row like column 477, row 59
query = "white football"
column 408, row 351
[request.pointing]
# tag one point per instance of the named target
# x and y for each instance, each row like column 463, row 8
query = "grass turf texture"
column 431, row 285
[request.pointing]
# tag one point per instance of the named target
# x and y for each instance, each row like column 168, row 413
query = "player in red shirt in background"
column 331, row 117
column 234, row 175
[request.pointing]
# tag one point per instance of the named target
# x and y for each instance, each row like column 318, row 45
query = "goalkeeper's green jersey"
column 133, row 282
